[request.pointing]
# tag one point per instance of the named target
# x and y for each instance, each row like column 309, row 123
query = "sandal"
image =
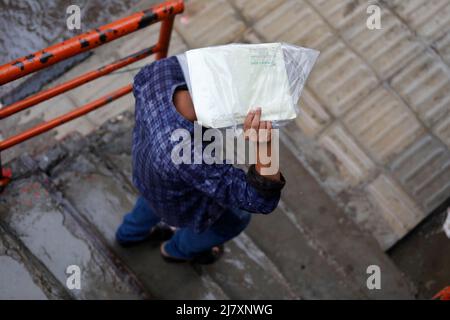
column 206, row 257
column 158, row 234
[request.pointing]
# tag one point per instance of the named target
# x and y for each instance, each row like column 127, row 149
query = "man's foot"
column 206, row 257
column 158, row 234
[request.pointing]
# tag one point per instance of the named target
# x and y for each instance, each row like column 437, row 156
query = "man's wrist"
column 264, row 184
column 265, row 149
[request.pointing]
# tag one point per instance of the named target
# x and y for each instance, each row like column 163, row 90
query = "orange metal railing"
column 164, row 12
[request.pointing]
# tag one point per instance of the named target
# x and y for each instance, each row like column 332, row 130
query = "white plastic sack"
column 225, row 82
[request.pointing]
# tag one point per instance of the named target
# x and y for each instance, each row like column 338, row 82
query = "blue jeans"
column 185, row 243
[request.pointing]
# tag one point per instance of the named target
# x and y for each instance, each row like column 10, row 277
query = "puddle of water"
column 16, row 282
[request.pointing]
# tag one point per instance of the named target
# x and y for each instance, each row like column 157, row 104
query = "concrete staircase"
column 65, row 204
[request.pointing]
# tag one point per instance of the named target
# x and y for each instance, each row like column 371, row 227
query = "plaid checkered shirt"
column 185, row 195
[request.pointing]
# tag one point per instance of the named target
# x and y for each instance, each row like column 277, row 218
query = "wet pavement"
column 27, row 26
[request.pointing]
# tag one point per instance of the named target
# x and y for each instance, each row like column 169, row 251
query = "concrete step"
column 345, row 247
column 32, row 213
column 23, row 276
column 299, row 259
column 244, row 272
column 83, row 188
column 298, row 247
column 103, row 202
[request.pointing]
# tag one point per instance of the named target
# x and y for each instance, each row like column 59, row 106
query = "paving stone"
column 325, row 168
column 342, row 14
column 425, row 86
column 104, row 204
column 199, row 30
column 361, row 208
column 98, row 87
column 397, row 208
column 352, row 163
column 339, row 78
column 312, row 210
column 295, row 22
column 429, row 19
column 312, row 117
column 254, row 10
column 424, row 171
column 249, row 36
column 442, row 46
column 145, row 38
column 344, row 169
column 383, row 124
column 318, row 161
column 101, row 87
column 388, row 49
column 139, row 40
column 442, row 130
column 47, row 110
column 93, row 62
column 55, row 107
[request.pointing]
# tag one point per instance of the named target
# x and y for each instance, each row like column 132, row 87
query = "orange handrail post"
column 164, row 13
column 164, row 38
